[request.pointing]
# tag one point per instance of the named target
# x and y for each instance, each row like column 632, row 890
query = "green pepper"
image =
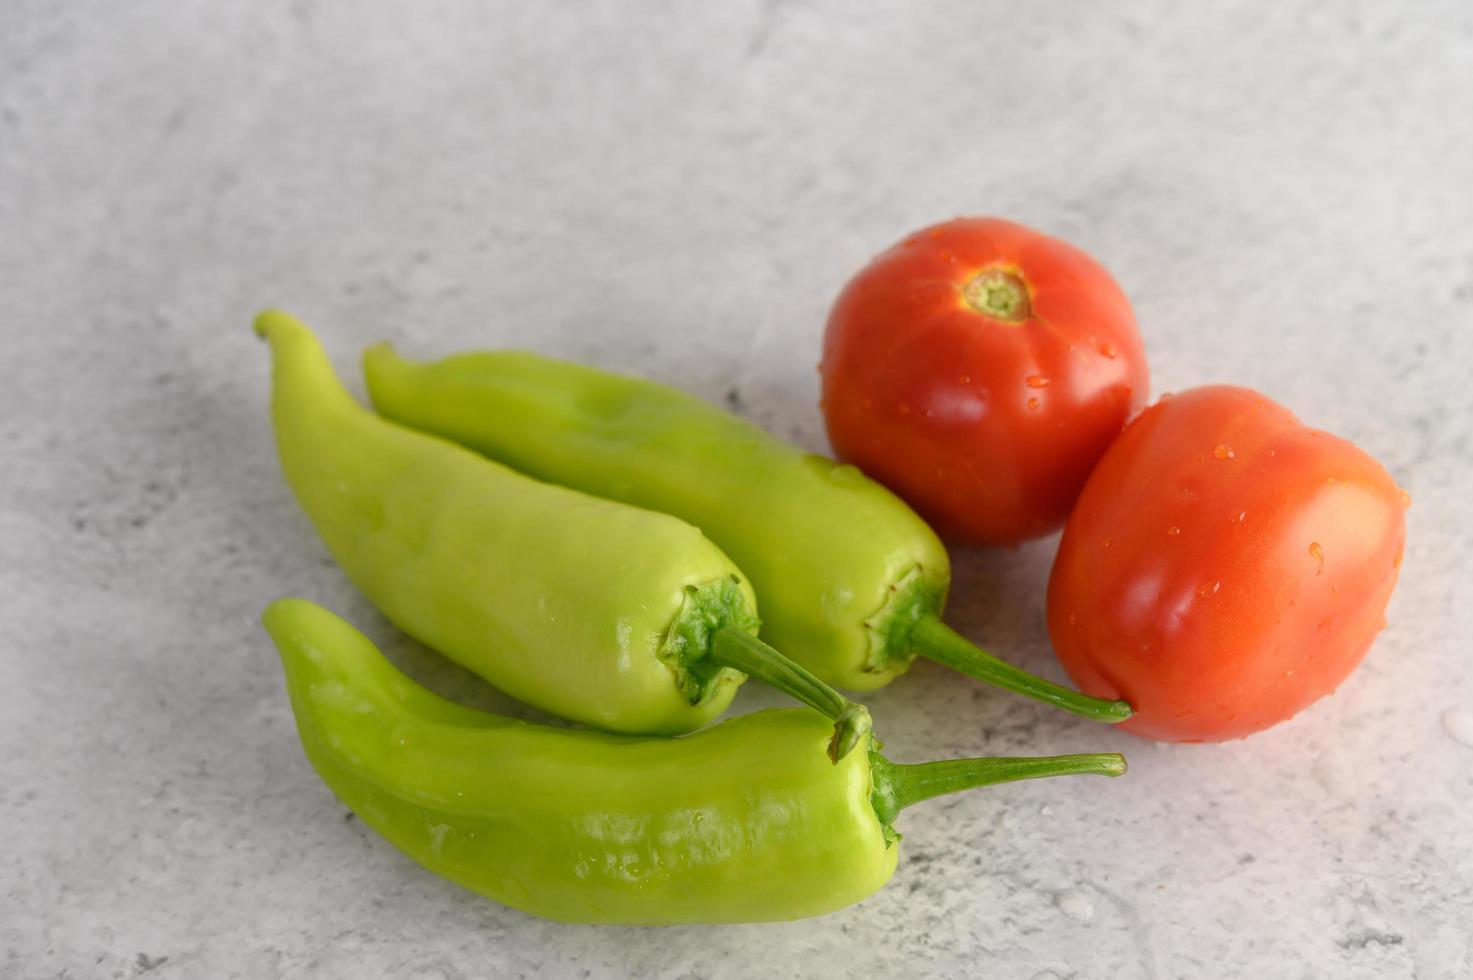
column 851, row 581
column 606, row 614
column 743, row 822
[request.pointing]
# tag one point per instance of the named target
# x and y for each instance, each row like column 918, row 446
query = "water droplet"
column 1208, row 590
column 948, row 256
column 1073, row 619
column 1173, row 530
column 1406, row 500
column 1036, row 381
column 1458, row 723
column 1107, row 349
column 964, row 379
column 1318, row 554
column 1076, row 905
column 1223, row 452
column 1106, row 543
column 1242, row 516
column 1033, row 403
column 902, row 408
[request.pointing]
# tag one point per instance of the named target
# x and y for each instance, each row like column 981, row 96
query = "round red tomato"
column 1225, row 566
column 979, row 369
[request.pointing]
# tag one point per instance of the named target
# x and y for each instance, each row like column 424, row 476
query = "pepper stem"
column 736, row 648
column 932, row 638
column 899, row 786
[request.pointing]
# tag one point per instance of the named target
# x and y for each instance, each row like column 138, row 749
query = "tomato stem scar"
column 999, row 294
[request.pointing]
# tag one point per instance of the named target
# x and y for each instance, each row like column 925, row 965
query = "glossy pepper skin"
column 743, row 822
column 595, row 611
column 850, row 580
column 655, row 447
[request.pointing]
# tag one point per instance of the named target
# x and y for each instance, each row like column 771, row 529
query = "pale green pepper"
column 606, row 614
column 743, row 822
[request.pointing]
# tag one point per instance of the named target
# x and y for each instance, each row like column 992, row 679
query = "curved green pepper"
column 851, row 581
column 743, row 822
column 617, row 617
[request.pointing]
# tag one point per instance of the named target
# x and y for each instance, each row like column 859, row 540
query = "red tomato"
column 1225, row 566
column 979, row 369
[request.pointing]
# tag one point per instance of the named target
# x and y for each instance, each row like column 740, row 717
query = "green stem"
column 899, row 786
column 733, row 647
column 932, row 638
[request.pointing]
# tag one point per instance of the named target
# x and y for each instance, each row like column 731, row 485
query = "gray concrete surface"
column 680, row 189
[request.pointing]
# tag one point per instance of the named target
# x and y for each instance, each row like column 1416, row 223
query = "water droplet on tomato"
column 1105, row 543
column 1242, row 516
column 902, row 408
column 1036, row 381
column 1208, row 590
column 1107, row 349
column 1033, row 403
column 1073, row 619
column 1223, row 452
column 1318, row 554
column 1173, row 530
column 964, row 379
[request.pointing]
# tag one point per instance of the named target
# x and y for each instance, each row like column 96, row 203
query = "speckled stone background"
column 679, row 189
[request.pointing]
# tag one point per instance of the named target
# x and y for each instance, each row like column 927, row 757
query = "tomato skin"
column 987, row 427
column 1225, row 566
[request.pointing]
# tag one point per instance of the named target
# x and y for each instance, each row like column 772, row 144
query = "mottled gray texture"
column 1283, row 190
